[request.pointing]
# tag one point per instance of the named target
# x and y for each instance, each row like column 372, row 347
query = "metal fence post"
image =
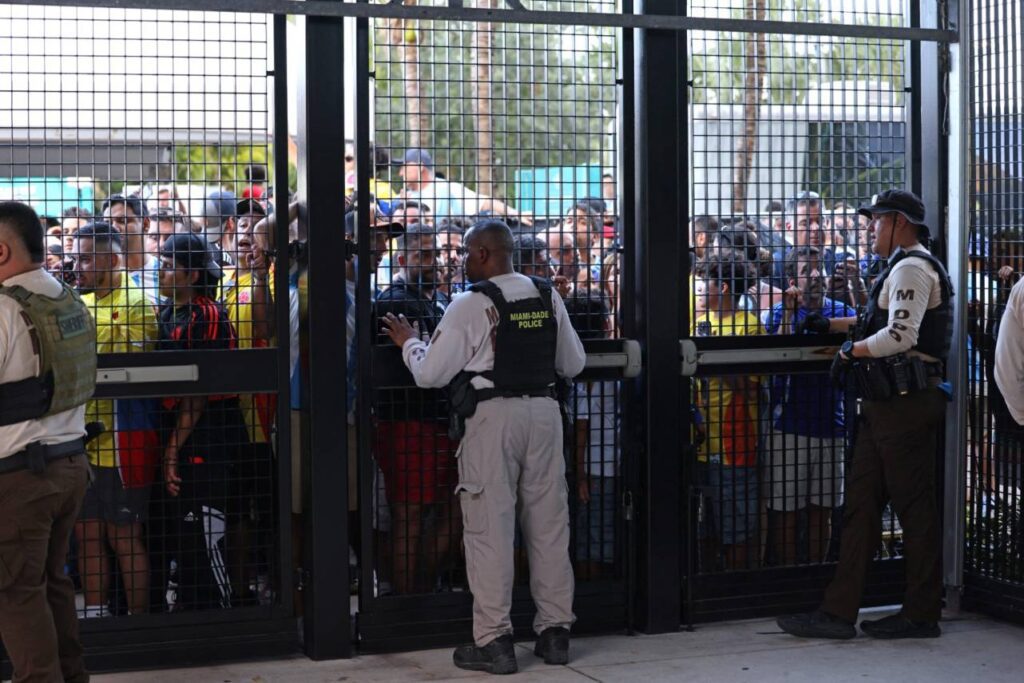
column 954, row 528
column 661, row 192
column 321, row 179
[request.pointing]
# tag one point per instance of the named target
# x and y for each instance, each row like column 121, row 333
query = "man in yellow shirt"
column 729, row 407
column 247, row 294
column 124, row 457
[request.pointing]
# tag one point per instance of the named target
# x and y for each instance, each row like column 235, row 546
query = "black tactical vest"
column 936, row 331
column 524, row 349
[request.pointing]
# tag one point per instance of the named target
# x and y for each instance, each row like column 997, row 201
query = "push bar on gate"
column 627, row 358
column 691, row 358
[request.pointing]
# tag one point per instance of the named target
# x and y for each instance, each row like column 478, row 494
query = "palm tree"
column 755, row 62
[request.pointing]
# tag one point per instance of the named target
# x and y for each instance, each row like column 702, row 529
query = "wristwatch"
column 846, row 350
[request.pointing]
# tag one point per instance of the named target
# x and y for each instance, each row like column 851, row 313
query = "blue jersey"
column 808, row 404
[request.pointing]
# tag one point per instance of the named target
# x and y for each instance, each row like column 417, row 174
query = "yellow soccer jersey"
column 125, row 322
column 729, row 417
column 237, row 291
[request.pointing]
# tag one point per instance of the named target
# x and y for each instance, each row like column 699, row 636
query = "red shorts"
column 417, row 459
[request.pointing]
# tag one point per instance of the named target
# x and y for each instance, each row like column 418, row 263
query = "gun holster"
column 462, row 401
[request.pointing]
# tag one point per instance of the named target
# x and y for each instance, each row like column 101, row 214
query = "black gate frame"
column 656, row 425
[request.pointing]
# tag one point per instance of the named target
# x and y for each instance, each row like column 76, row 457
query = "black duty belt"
column 37, row 456
column 488, row 394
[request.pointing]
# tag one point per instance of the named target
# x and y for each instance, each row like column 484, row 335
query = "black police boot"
column 496, row 657
column 553, row 645
column 816, row 625
column 898, row 626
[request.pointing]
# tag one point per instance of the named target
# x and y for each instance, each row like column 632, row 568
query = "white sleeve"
column 435, row 363
column 1009, row 362
column 569, row 355
column 910, row 288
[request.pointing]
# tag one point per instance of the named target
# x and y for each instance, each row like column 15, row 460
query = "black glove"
column 840, row 364
column 815, row 323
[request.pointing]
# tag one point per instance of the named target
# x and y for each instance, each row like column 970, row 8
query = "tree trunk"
column 755, row 61
column 482, row 52
column 409, row 54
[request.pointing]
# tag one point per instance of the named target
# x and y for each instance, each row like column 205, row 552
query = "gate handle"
column 146, row 374
column 628, row 359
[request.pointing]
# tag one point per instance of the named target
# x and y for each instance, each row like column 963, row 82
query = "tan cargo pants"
column 511, row 460
column 38, row 623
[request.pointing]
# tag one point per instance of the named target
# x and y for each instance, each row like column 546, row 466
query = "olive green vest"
column 63, row 336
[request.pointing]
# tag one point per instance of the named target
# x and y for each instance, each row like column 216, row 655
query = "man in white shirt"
column 1009, row 364
column 43, row 474
column 446, row 198
column 505, row 342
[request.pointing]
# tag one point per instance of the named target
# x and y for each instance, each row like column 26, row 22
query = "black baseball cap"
column 249, row 205
column 191, row 251
column 132, row 201
column 903, row 202
column 393, row 227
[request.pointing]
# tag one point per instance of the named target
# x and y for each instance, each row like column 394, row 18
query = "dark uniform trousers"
column 37, row 600
column 894, row 459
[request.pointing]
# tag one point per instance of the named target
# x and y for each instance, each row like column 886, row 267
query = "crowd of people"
column 771, row 450
column 181, row 498
column 183, row 487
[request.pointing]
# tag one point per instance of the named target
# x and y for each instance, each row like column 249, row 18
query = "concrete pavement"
column 972, row 648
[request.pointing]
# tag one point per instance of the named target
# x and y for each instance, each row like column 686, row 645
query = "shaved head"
column 489, row 248
column 493, row 235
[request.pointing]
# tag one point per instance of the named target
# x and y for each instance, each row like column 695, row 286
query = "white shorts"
column 802, row 471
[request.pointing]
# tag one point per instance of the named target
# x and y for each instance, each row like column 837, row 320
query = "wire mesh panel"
column 788, row 136
column 141, row 138
column 474, row 122
column 996, row 260
column 195, row 531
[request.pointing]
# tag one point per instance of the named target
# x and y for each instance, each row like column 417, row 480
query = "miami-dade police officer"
column 47, row 373
column 505, row 343
column 903, row 342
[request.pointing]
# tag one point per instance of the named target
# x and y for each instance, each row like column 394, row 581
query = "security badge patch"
column 73, row 324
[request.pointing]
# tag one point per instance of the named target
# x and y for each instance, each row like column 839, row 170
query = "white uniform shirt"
column 464, row 339
column 911, row 288
column 18, row 362
column 1009, row 363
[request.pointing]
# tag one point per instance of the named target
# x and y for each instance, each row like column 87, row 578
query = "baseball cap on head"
column 382, row 222
column 220, row 206
column 191, row 252
column 903, row 202
column 132, row 201
column 247, row 206
column 416, row 156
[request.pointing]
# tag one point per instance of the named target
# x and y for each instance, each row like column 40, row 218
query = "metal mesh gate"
column 993, row 571
column 789, row 134
column 475, row 121
column 143, row 140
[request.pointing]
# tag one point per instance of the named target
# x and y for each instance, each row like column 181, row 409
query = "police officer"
column 898, row 360
column 47, row 373
column 505, row 343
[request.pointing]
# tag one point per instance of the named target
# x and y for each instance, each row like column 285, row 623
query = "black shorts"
column 108, row 500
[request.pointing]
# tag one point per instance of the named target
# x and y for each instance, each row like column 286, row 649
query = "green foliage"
column 224, row 165
column 795, row 64
column 552, row 99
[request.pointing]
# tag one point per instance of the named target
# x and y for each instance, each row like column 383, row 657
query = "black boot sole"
column 553, row 657
column 902, row 635
column 814, row 633
column 499, row 668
